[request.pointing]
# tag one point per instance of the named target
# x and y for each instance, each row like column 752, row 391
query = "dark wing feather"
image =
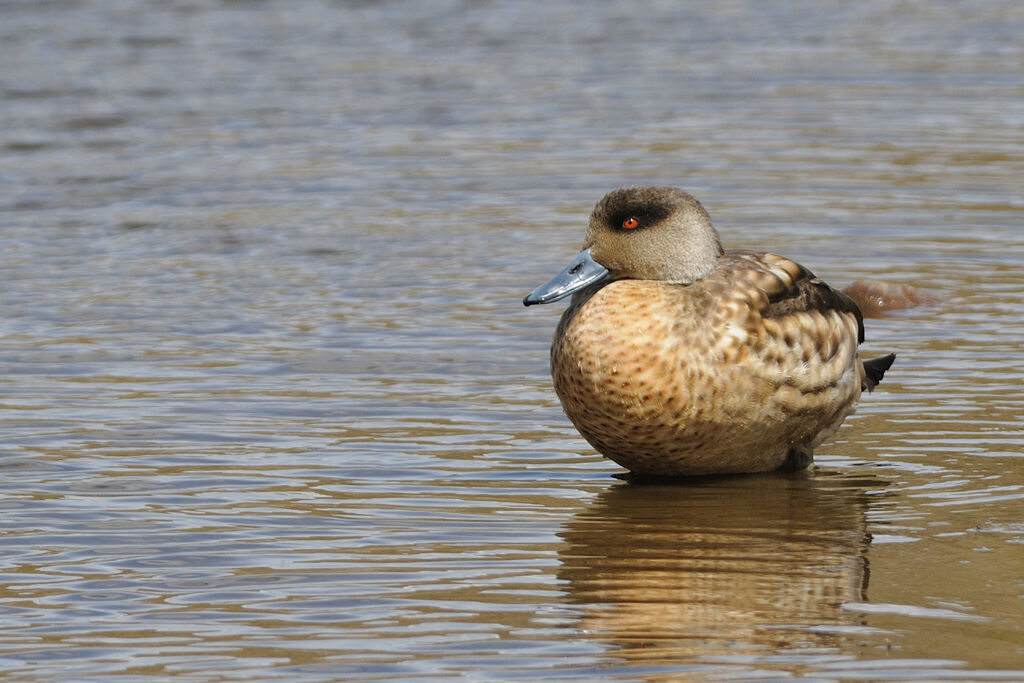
column 806, row 293
column 811, row 294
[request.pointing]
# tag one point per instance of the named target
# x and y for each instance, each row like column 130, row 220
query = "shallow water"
column 271, row 405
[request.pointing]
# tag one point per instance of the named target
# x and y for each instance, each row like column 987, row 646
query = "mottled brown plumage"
column 682, row 359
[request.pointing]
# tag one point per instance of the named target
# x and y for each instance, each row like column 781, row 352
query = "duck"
column 676, row 358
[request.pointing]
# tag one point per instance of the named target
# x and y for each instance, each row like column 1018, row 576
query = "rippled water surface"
column 271, row 408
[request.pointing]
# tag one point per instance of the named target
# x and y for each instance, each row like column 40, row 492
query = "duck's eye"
column 631, row 223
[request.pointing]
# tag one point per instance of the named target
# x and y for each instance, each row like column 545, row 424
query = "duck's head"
column 641, row 233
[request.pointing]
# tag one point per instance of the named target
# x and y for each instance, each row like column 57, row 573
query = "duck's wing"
column 792, row 290
column 793, row 296
column 795, row 289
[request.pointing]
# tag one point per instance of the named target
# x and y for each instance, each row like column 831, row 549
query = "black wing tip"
column 874, row 370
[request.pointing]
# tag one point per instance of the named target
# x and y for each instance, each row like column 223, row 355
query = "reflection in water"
column 737, row 566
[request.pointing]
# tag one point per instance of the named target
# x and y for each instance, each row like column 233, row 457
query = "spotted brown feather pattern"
column 676, row 358
column 727, row 374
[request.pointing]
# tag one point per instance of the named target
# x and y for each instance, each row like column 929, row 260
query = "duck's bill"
column 580, row 273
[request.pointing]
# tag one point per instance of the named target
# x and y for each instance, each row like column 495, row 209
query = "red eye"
column 630, row 223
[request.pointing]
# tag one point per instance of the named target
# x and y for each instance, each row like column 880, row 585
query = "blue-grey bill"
column 583, row 271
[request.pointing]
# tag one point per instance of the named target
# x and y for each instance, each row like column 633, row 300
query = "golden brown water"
column 270, row 406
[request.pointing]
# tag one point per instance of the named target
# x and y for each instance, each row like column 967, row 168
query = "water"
column 270, row 405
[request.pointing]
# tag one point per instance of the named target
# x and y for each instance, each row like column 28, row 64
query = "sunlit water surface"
column 271, row 405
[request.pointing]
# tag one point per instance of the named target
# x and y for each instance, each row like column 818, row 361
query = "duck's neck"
column 698, row 260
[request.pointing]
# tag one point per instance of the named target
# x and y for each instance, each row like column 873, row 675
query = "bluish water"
column 270, row 405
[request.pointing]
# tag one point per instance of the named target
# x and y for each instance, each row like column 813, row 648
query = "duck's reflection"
column 738, row 566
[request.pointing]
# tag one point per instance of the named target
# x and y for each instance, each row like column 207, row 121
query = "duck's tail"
column 874, row 371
